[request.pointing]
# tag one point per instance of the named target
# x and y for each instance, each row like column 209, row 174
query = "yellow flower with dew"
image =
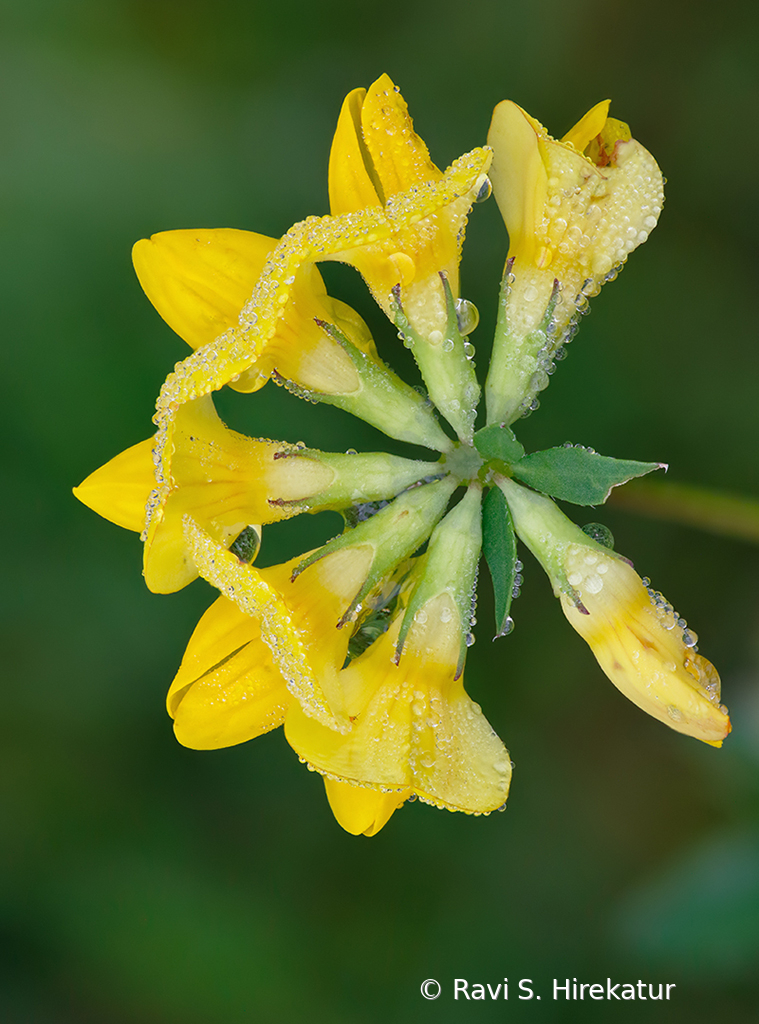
column 413, row 725
column 230, row 484
column 574, row 210
column 378, row 161
column 358, row 648
column 640, row 642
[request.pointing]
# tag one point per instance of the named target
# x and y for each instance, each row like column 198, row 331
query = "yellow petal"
column 301, row 351
column 640, row 647
column 518, row 175
column 225, row 482
column 351, row 185
column 298, row 619
column 399, row 157
column 588, row 127
column 227, row 689
column 199, row 280
column 414, row 727
column 119, row 490
column 362, row 811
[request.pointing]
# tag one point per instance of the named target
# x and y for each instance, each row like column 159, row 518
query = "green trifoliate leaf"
column 498, row 442
column 578, row 475
column 499, row 545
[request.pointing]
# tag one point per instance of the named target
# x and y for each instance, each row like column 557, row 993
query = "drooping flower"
column 639, row 641
column 574, row 210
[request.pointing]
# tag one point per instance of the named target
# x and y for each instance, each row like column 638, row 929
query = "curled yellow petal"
column 642, row 648
column 223, row 480
column 362, row 811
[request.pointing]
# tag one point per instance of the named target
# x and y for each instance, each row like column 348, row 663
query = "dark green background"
column 143, row 883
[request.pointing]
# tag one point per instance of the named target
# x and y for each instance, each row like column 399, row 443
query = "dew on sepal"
column 600, row 534
column 467, row 316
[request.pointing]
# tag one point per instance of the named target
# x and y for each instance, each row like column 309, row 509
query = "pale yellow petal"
column 518, row 175
column 639, row 645
column 413, row 727
column 119, row 490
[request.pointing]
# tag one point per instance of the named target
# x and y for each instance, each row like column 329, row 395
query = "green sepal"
column 360, row 478
column 449, row 564
column 498, row 442
column 448, row 374
column 499, row 545
column 578, row 475
column 511, row 386
column 394, row 533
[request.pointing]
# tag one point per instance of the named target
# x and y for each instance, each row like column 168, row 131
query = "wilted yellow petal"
column 638, row 643
column 119, row 490
column 362, row 811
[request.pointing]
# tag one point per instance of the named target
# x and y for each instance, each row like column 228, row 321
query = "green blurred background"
column 144, row 883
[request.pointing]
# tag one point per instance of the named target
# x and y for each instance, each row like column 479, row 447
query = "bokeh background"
column 143, row 883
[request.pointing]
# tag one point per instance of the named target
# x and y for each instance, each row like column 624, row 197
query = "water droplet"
column 467, row 316
column 507, row 626
column 600, row 534
column 485, row 190
column 530, row 293
column 674, row 713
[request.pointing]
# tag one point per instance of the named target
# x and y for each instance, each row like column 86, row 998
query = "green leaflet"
column 498, row 442
column 499, row 544
column 578, row 475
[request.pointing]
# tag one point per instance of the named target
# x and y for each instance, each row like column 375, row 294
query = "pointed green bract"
column 578, row 475
column 499, row 545
column 498, row 442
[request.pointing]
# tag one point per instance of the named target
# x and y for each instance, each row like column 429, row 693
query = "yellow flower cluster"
column 358, row 648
